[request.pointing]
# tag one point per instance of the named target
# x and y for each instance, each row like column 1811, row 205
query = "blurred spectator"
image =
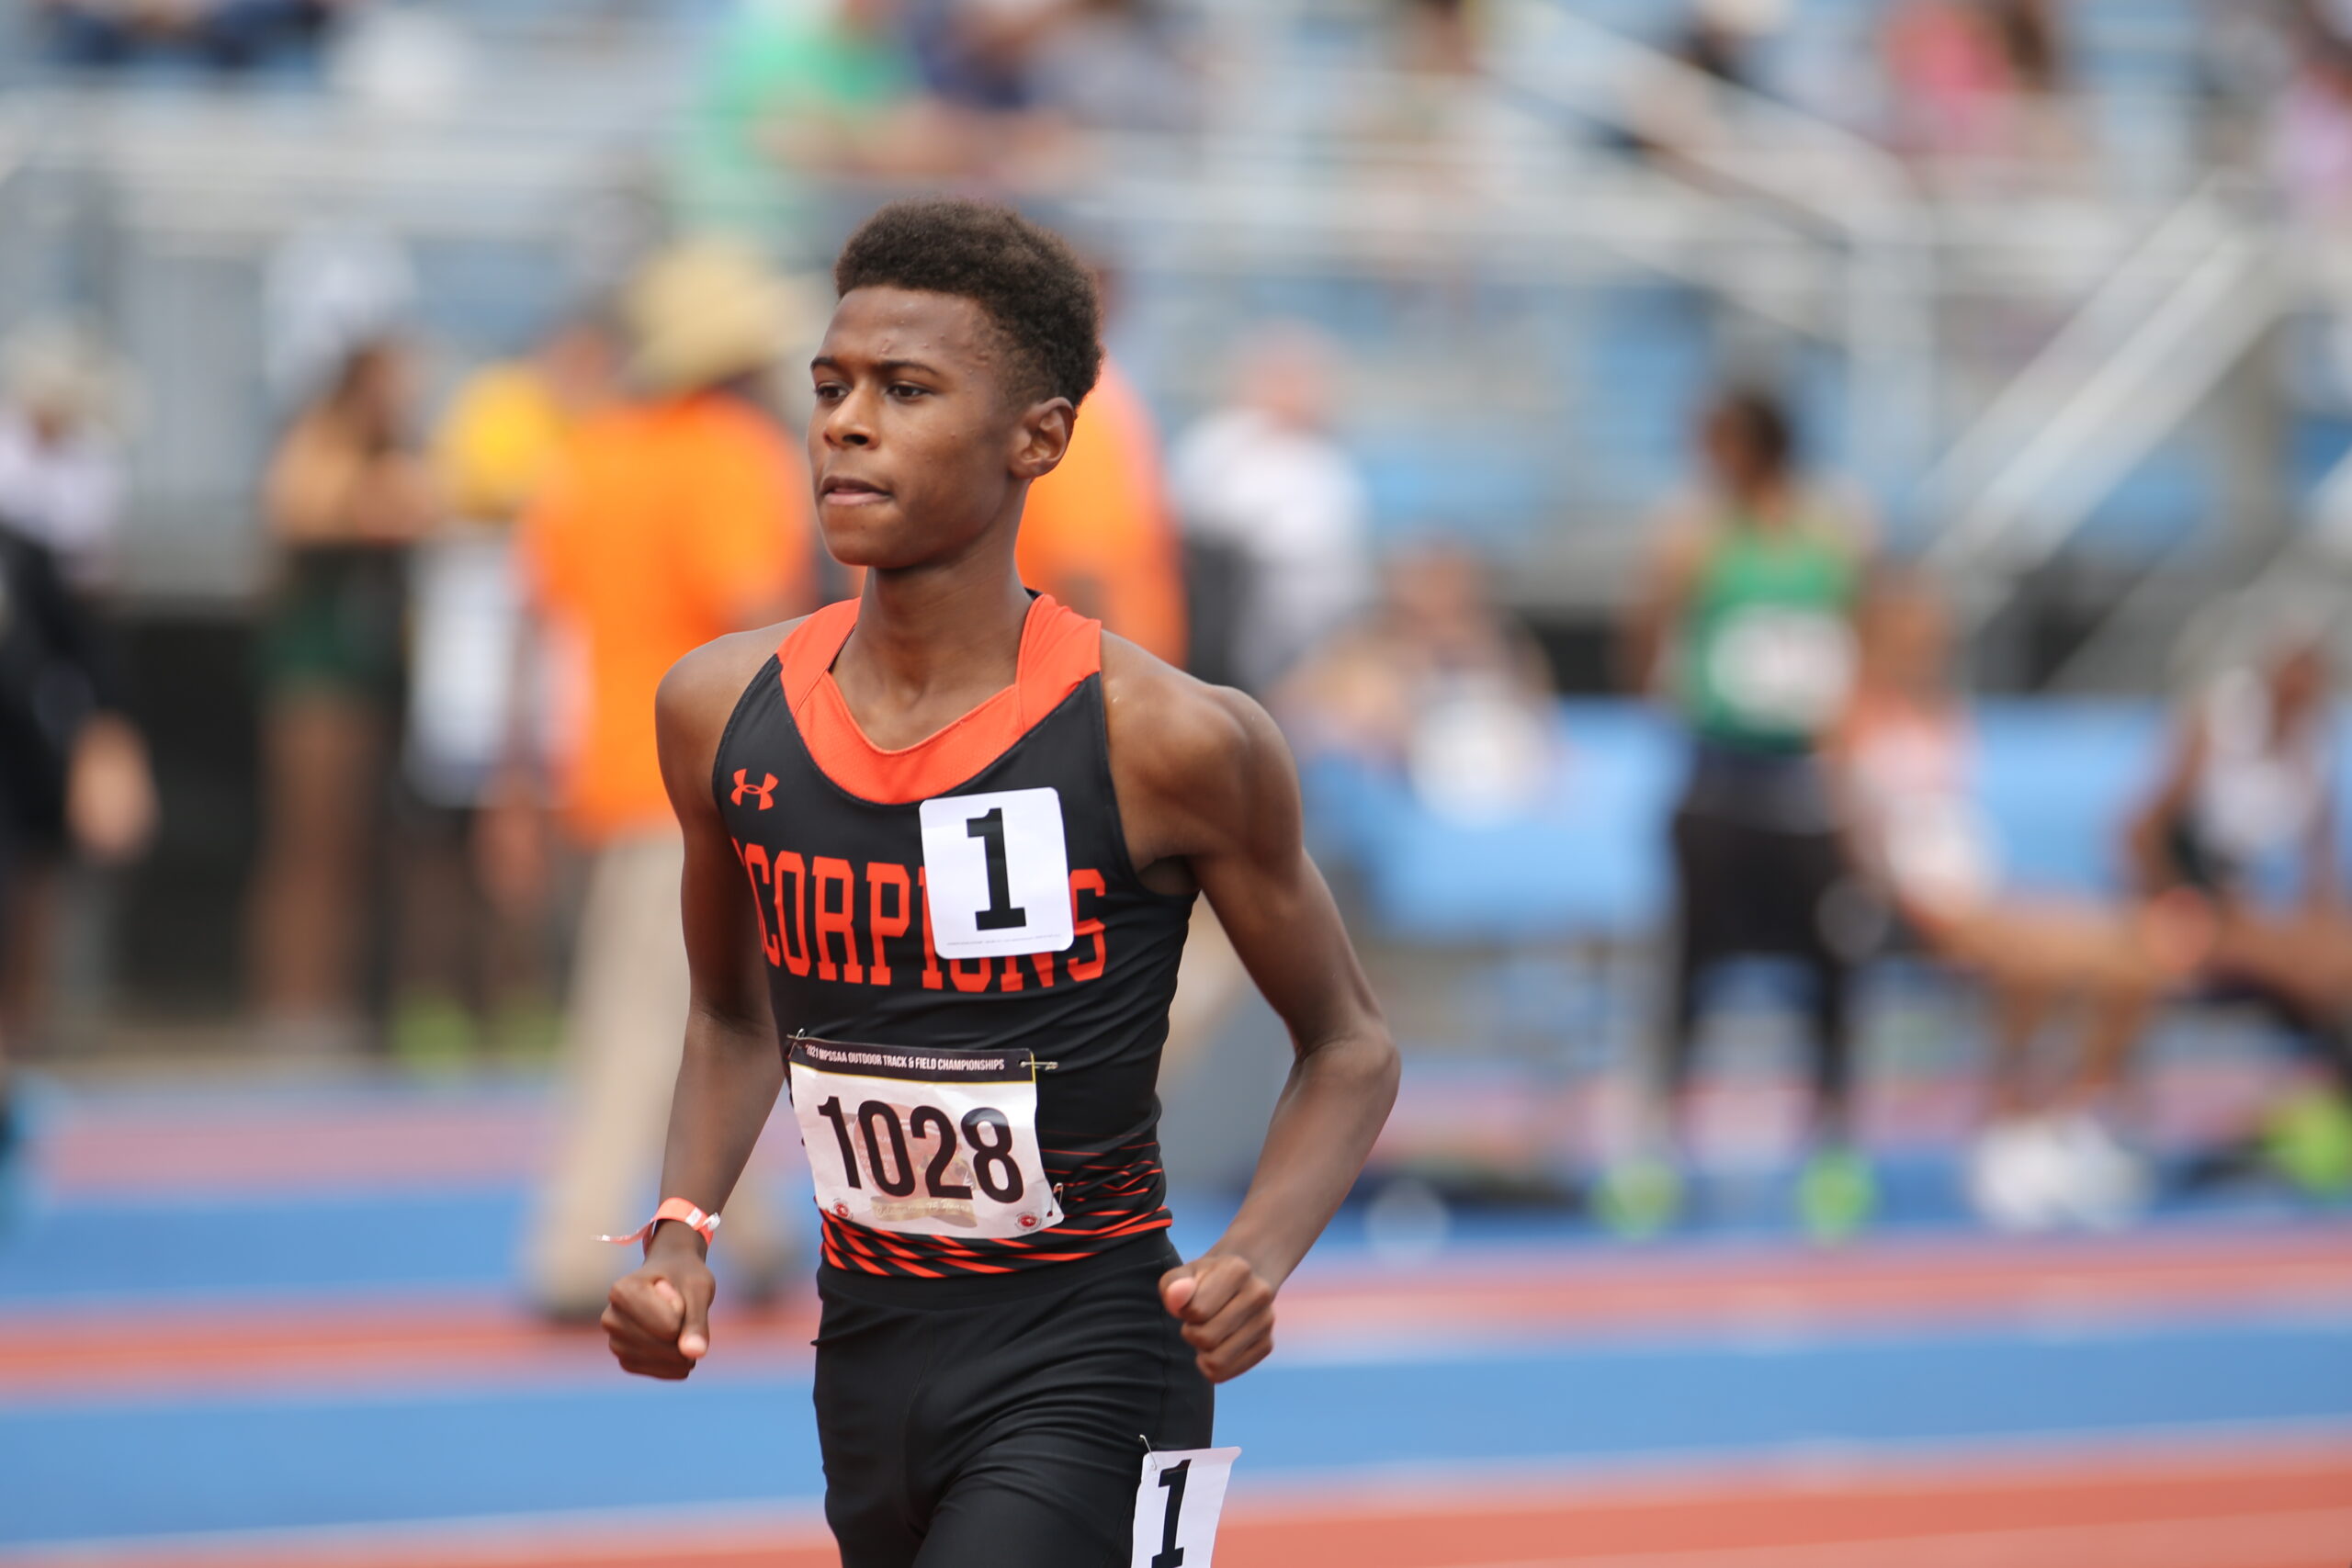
column 1437, row 683
column 330, row 284
column 2032, row 46
column 2041, row 129
column 1103, row 63
column 73, row 774
column 2244, row 821
column 1674, row 111
column 347, row 494
column 1978, row 79
column 60, row 479
column 1096, row 533
column 678, row 517
column 2245, row 56
column 1019, row 77
column 1276, row 515
column 976, row 54
column 61, row 491
column 1437, row 37
column 1948, row 81
column 1440, row 100
column 1716, row 43
column 1114, row 65
column 2312, row 146
column 1905, row 761
column 471, row 943
column 228, row 35
column 1746, row 626
column 801, row 87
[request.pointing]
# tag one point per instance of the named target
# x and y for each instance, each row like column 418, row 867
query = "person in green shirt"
column 1745, row 627
column 799, row 89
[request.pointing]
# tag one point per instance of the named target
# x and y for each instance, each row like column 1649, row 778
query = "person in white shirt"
column 1265, row 483
column 61, row 477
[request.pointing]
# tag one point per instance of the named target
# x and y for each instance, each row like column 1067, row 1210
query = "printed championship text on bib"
column 923, row 1142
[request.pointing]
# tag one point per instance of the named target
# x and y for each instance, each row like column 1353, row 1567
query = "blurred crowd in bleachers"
column 1408, row 507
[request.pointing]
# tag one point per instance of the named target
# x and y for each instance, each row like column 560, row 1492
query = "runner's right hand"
column 658, row 1319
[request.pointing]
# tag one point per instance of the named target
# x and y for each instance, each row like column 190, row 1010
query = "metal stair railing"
column 2114, row 309
column 1857, row 198
column 2101, row 397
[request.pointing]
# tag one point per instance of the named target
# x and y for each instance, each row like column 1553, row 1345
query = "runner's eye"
column 907, row 392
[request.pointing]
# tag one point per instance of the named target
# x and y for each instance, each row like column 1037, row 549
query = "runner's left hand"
column 1228, row 1310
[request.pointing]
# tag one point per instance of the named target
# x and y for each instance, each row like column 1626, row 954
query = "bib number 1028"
column 923, row 1142
column 887, row 1143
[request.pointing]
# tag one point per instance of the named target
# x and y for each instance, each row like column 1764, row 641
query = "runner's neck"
column 928, row 647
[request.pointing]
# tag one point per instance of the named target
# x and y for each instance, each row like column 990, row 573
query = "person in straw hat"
column 676, row 517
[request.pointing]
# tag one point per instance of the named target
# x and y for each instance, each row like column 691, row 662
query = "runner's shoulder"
column 1177, row 735
column 699, row 693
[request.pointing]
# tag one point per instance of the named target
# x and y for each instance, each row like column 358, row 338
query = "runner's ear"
column 1044, row 437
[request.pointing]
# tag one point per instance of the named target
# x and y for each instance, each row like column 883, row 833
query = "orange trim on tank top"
column 1060, row 648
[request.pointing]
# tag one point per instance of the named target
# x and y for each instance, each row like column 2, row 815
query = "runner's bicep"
column 721, row 928
column 1286, row 928
column 1275, row 907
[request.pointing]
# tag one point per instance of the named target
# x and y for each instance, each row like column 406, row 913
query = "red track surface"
column 2269, row 1505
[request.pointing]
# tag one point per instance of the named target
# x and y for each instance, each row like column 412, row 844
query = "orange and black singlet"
column 831, row 830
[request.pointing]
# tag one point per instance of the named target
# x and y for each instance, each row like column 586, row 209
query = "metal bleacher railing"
column 2149, row 346
column 1551, row 257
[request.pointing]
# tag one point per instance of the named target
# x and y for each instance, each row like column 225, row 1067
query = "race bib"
column 1783, row 668
column 1176, row 1505
column 922, row 1142
column 996, row 873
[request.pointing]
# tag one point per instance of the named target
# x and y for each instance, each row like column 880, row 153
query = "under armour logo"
column 764, row 789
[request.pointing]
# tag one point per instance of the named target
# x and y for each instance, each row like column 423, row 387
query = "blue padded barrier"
column 2057, row 778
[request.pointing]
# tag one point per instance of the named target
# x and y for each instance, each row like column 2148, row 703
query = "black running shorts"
column 1000, row 1421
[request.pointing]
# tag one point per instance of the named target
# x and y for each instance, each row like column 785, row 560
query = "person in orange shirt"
column 678, row 517
column 1097, row 535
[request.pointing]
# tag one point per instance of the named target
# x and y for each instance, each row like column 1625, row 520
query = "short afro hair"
column 1025, row 277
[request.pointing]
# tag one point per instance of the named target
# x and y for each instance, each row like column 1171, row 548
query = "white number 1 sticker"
column 997, row 871
column 1176, row 1505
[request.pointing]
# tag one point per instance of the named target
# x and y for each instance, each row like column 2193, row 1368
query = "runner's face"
column 914, row 444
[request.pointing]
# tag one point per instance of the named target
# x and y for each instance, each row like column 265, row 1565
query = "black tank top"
column 826, row 825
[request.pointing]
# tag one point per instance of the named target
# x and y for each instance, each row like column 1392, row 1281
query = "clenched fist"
column 1228, row 1310
column 658, row 1319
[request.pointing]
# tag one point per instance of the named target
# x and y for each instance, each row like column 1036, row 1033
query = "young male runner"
column 970, row 827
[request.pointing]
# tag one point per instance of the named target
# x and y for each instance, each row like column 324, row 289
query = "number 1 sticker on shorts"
column 1176, row 1505
column 997, row 871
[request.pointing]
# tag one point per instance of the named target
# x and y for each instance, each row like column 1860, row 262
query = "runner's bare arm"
column 1206, row 787
column 658, row 1319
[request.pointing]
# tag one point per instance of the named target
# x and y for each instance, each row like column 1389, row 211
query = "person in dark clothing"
column 73, row 770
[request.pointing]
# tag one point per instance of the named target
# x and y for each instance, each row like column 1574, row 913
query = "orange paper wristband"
column 676, row 1209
